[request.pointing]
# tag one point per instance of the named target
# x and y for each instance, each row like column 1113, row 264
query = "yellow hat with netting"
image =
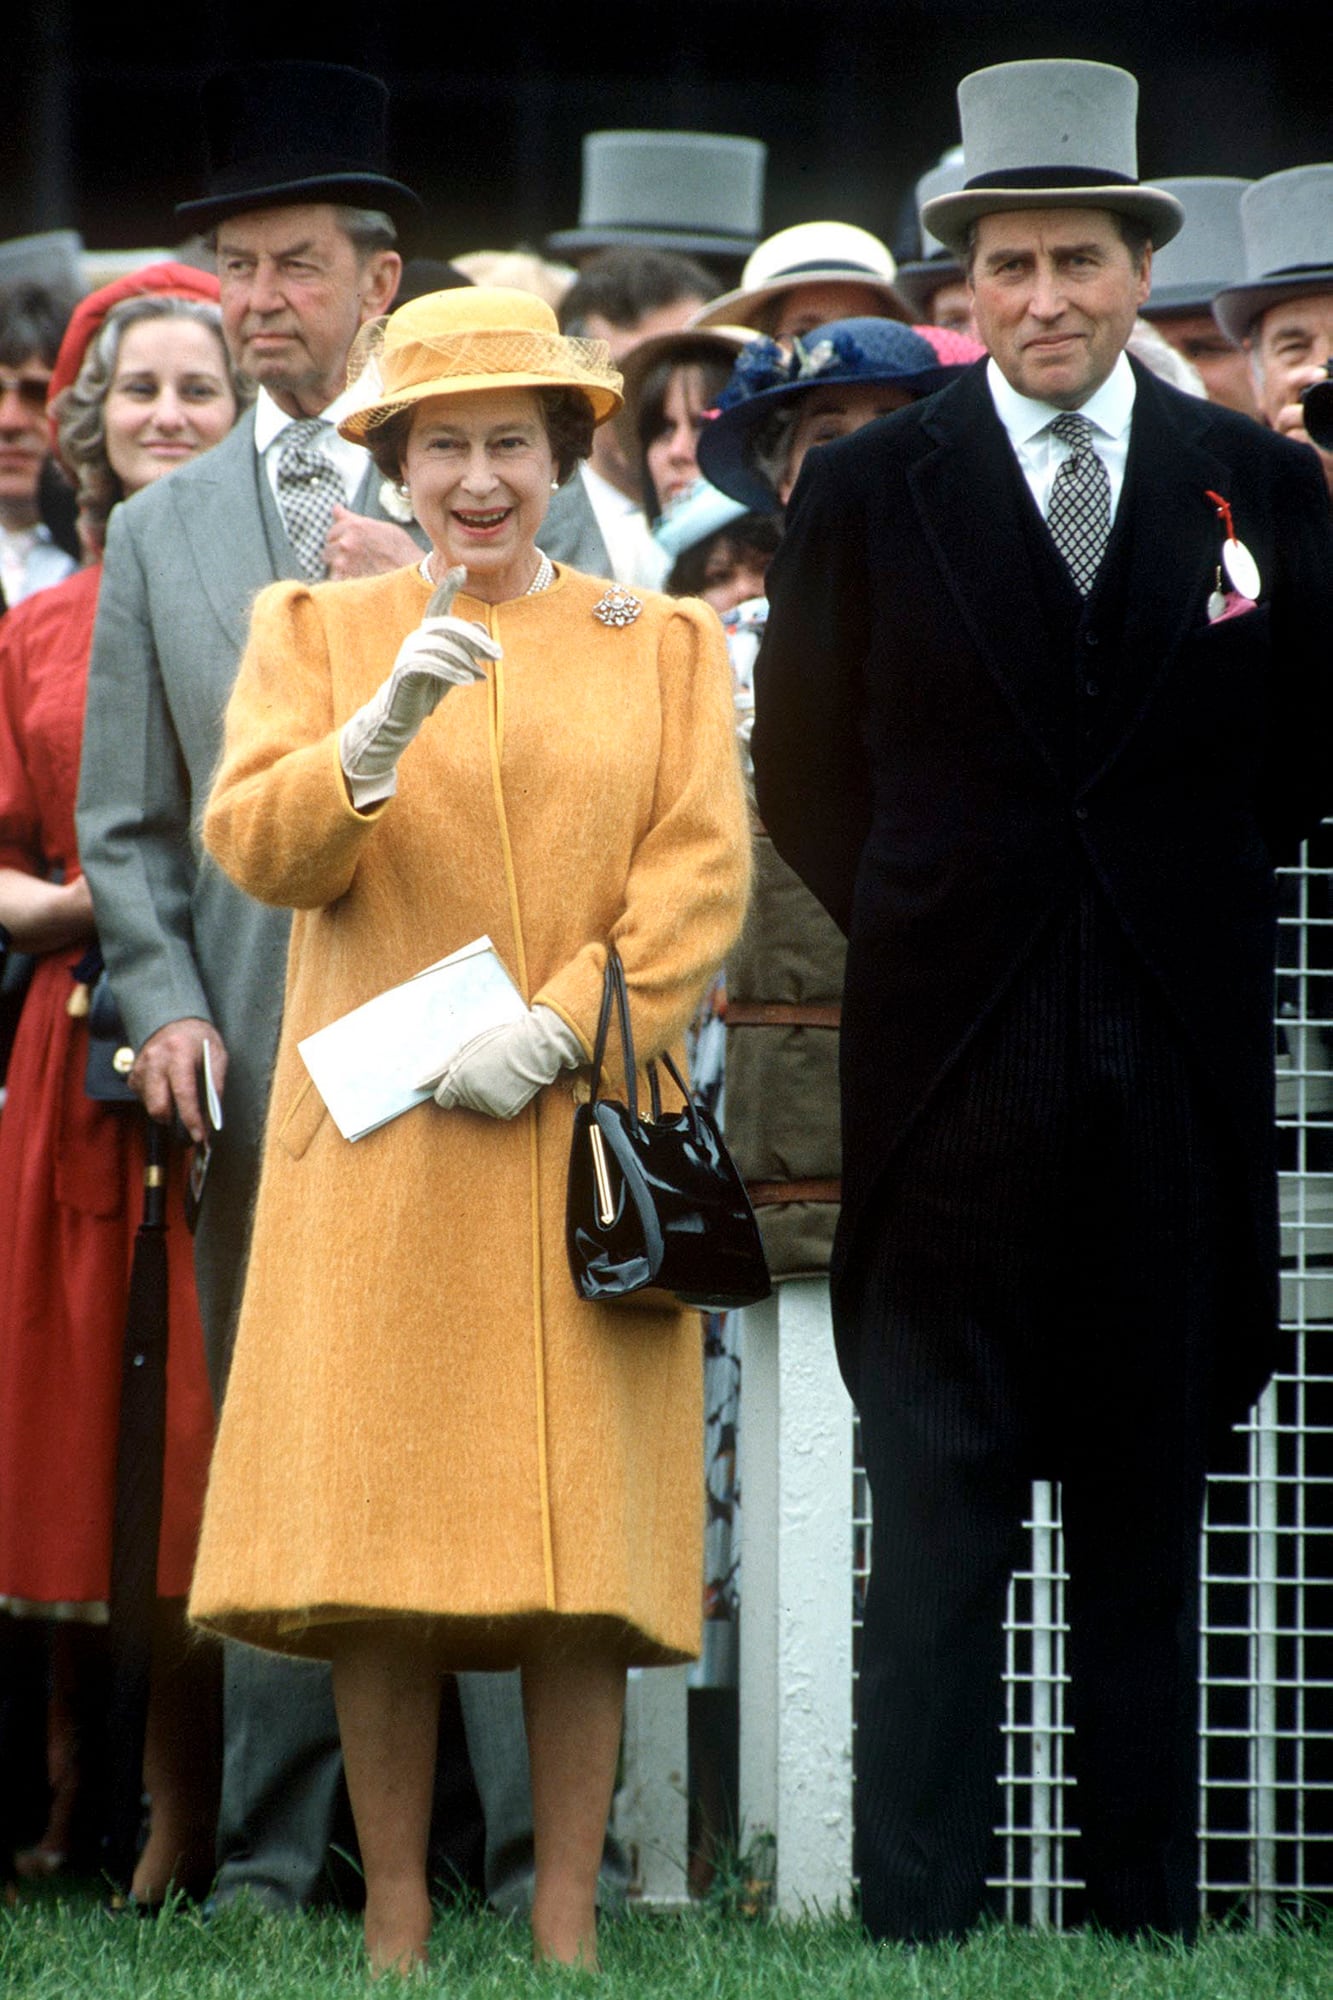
column 473, row 337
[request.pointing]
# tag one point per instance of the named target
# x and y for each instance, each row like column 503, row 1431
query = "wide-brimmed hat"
column 682, row 345
column 919, row 280
column 1049, row 134
column 767, row 378
column 809, row 253
column 1209, row 251
column 698, row 192
column 1287, row 222
column 475, row 337
column 284, row 133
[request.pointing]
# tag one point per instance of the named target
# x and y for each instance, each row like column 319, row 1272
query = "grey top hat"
column 921, row 279
column 1287, row 223
column 53, row 259
column 1209, row 251
column 1049, row 134
column 699, row 192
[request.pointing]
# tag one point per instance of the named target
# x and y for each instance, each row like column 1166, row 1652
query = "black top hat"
column 280, row 133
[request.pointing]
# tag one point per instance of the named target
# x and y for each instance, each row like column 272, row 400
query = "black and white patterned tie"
column 1079, row 516
column 308, row 491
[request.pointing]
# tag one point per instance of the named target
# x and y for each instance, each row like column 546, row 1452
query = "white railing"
column 1266, row 1623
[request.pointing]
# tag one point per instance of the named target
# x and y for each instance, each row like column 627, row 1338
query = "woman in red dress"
column 146, row 385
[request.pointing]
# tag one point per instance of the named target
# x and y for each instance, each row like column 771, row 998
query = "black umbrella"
column 137, row 1519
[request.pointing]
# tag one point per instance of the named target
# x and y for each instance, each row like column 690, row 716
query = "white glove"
column 442, row 652
column 502, row 1069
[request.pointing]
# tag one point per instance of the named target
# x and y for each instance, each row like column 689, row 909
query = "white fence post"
column 796, row 1663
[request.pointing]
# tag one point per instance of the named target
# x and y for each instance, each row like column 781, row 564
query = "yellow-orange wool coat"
column 422, row 1416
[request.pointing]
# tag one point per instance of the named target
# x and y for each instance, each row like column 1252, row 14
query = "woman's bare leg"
column 574, row 1707
column 386, row 1689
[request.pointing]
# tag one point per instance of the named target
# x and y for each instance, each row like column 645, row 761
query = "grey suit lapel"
column 230, row 521
column 220, row 512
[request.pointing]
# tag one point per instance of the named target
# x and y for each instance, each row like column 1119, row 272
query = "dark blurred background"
column 99, row 127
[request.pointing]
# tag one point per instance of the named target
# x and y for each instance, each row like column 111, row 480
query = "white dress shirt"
column 349, row 460
column 636, row 560
column 1109, row 410
column 30, row 561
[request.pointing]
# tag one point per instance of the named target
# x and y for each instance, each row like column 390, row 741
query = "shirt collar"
column 271, row 422
column 608, row 498
column 1108, row 408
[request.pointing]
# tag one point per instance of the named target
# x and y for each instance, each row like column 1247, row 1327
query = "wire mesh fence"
column 1266, row 1610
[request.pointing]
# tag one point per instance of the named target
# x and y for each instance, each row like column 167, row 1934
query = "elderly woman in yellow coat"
column 432, row 1453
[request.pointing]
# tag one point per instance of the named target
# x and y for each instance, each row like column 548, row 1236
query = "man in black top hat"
column 1043, row 698
column 305, row 218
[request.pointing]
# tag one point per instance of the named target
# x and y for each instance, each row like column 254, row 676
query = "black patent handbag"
column 656, row 1212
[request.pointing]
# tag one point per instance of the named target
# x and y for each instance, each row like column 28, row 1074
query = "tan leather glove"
column 502, row 1069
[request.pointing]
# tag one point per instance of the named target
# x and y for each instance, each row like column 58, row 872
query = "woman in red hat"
column 142, row 382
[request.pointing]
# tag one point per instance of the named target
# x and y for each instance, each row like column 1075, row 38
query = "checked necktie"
column 1079, row 516
column 308, row 491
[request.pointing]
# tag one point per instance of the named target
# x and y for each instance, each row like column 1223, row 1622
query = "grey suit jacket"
column 570, row 533
column 184, row 560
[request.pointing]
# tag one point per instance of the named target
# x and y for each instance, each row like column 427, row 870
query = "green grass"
column 56, row 1950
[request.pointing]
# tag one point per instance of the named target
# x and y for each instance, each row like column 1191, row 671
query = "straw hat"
column 475, row 337
column 1049, row 134
column 809, row 253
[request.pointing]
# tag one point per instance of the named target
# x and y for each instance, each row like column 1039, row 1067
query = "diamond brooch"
column 617, row 606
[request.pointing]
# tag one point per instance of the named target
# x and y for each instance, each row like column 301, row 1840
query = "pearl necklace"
column 543, row 580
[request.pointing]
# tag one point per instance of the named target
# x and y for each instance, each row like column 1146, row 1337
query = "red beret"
column 181, row 281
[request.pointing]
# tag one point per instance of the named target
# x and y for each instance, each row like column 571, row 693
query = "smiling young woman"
column 170, row 397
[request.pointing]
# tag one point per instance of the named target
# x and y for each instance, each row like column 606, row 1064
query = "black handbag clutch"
column 110, row 1056
column 656, row 1211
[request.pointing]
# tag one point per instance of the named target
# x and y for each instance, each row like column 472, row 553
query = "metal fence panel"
column 1266, row 1612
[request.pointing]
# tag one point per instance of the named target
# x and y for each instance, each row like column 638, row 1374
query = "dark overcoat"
column 930, row 760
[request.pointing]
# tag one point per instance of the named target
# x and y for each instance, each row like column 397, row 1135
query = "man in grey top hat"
column 1283, row 308
column 1188, row 274
column 934, row 283
column 304, row 217
column 1044, row 696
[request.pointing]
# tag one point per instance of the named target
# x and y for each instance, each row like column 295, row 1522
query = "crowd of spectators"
column 145, row 430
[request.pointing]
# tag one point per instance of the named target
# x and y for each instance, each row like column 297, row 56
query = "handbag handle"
column 615, row 989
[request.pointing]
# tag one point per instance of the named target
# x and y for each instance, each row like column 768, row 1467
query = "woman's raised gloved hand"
column 440, row 653
column 502, row 1069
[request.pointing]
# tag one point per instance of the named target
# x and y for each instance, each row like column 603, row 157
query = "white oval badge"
column 1241, row 567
